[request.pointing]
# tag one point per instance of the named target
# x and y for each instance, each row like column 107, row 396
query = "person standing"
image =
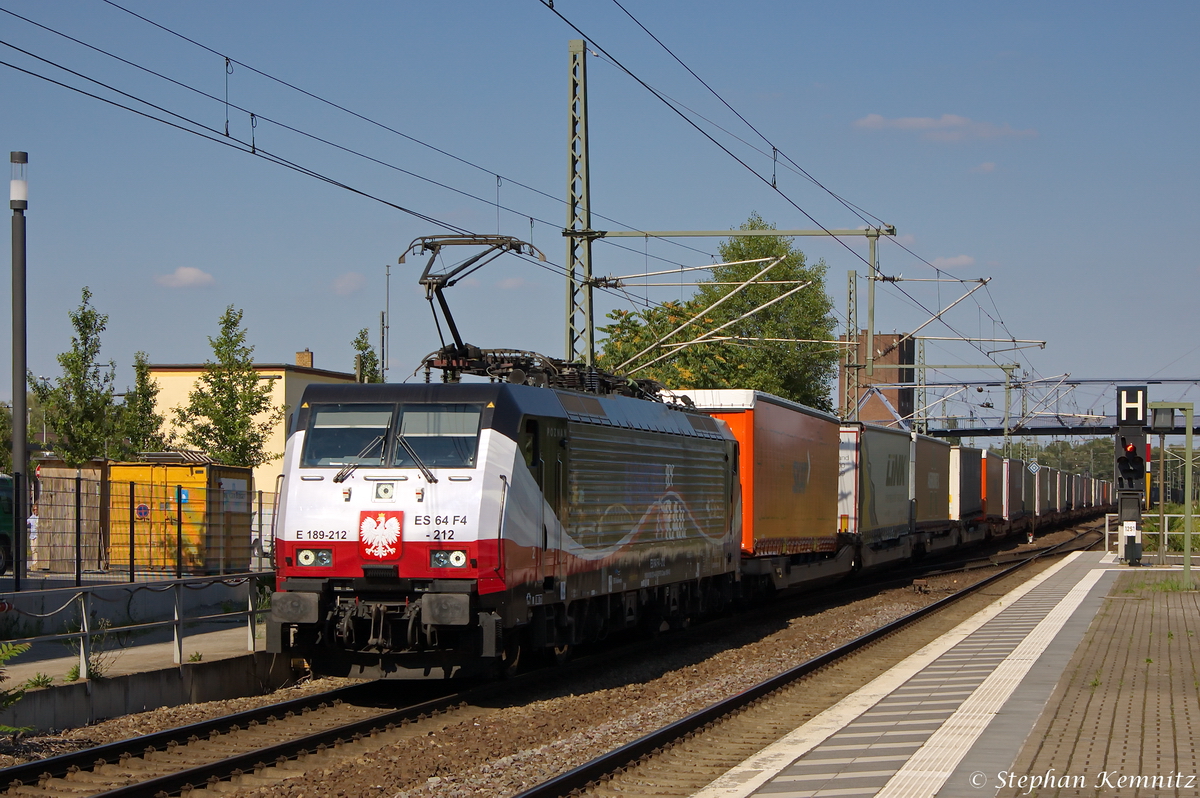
column 33, row 536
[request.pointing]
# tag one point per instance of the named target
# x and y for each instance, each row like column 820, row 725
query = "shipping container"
column 1014, row 489
column 788, row 469
column 874, row 491
column 787, row 457
column 1042, row 491
column 992, row 486
column 201, row 510
column 966, row 484
column 932, row 487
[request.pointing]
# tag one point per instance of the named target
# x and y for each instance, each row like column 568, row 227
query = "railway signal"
column 1130, row 468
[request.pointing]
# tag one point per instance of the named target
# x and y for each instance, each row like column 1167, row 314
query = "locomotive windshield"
column 341, row 435
column 442, row 435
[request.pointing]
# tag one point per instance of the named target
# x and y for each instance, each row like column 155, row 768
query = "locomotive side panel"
column 644, row 509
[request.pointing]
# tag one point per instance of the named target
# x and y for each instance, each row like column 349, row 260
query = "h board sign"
column 1131, row 405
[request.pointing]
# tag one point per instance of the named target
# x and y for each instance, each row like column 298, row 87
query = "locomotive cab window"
column 348, row 434
column 442, row 435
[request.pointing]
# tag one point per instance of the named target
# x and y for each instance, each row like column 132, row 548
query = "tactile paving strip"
column 864, row 756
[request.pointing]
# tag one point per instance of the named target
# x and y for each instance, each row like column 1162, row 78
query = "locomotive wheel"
column 510, row 658
column 562, row 653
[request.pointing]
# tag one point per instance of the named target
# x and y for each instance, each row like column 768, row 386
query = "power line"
column 215, row 135
column 369, row 121
column 774, row 187
column 776, row 151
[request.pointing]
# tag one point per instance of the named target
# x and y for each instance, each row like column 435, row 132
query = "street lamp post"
column 19, row 200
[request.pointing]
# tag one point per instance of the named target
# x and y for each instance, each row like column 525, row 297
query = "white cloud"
column 907, row 239
column 185, row 277
column 510, row 283
column 949, row 127
column 984, row 168
column 954, row 262
column 348, row 283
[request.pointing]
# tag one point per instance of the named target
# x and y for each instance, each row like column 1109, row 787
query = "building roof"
column 292, row 367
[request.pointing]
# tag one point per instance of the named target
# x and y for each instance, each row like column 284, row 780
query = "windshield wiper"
column 429, row 477
column 348, row 469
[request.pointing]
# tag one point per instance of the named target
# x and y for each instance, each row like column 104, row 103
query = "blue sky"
column 1049, row 146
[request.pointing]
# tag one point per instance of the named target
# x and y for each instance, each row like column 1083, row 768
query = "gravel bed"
column 26, row 749
column 532, row 740
column 538, row 735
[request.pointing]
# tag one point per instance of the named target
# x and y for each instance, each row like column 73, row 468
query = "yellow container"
column 201, row 510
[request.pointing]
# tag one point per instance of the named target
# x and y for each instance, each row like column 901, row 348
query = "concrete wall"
column 82, row 703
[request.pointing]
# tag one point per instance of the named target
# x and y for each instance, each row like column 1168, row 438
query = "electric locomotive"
column 434, row 530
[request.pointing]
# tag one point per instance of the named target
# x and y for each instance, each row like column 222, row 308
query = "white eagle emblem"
column 380, row 536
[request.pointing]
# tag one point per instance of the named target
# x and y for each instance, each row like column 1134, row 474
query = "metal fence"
column 95, row 624
column 108, row 531
column 1152, row 539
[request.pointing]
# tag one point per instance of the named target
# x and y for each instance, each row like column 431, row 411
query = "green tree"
column 366, row 358
column 767, row 351
column 141, row 424
column 80, row 409
column 229, row 415
column 36, row 415
column 6, row 437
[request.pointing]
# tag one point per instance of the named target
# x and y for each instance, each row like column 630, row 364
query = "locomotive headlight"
column 320, row 557
column 448, row 559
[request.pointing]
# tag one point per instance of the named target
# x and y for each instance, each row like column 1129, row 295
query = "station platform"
column 1084, row 681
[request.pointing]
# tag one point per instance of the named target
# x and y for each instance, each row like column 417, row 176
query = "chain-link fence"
column 110, row 530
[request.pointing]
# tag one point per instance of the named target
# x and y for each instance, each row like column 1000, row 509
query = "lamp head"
column 18, row 187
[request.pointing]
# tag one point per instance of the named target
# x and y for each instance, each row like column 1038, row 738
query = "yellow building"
column 288, row 382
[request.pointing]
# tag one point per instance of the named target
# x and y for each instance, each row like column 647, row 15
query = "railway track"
column 272, row 744
column 243, row 746
column 686, row 755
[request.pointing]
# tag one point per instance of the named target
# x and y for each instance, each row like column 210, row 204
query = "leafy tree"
column 141, row 425
column 229, row 415
column 788, row 366
column 33, row 440
column 80, row 410
column 6, row 437
column 366, row 357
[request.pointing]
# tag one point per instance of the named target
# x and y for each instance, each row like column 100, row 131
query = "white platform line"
column 927, row 771
column 756, row 771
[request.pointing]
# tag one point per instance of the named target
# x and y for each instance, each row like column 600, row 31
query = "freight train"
column 446, row 529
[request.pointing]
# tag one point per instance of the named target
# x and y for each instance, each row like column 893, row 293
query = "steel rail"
column 591, row 772
column 215, row 772
column 58, row 766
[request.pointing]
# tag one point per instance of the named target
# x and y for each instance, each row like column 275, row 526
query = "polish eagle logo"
column 379, row 534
